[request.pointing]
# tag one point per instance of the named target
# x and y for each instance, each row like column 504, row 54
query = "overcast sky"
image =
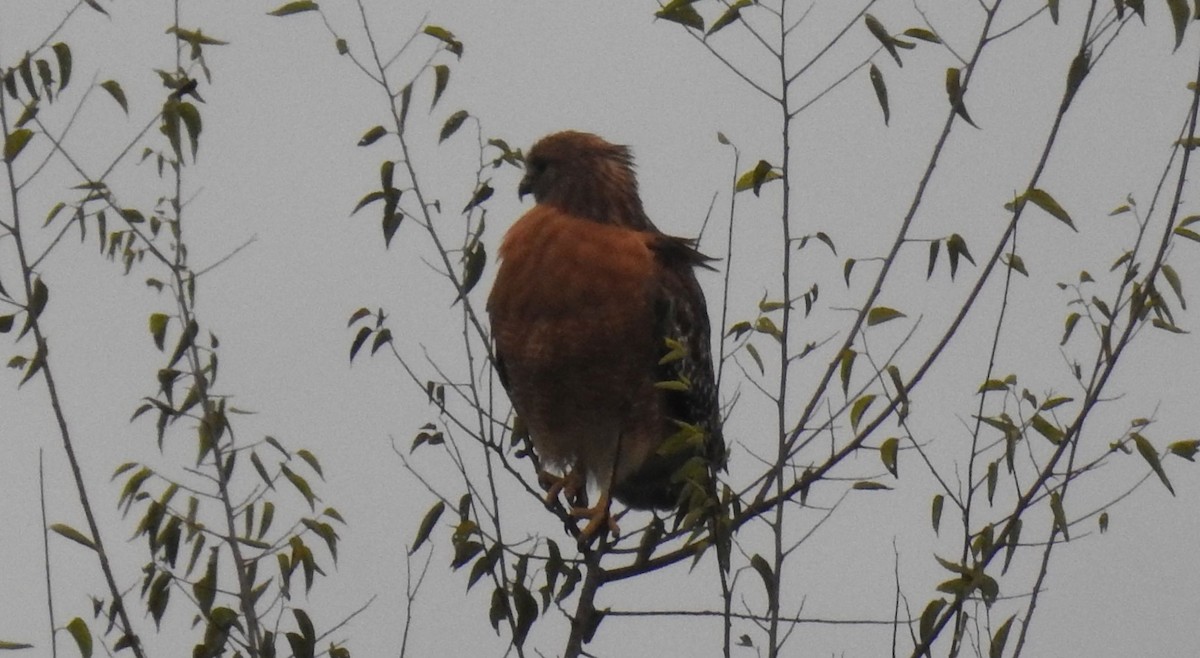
column 278, row 166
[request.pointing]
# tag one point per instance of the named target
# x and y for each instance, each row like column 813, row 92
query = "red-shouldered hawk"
column 602, row 337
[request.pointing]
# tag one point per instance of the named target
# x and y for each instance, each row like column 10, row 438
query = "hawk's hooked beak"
column 525, row 187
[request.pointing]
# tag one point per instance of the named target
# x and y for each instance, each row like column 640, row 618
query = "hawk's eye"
column 538, row 166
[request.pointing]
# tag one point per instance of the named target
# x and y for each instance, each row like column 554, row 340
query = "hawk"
column 602, row 338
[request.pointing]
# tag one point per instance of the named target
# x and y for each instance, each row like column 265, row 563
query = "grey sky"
column 278, row 165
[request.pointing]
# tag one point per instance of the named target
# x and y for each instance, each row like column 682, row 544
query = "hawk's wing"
column 692, row 440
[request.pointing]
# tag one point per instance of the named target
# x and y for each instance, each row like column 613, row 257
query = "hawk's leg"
column 598, row 516
column 572, row 484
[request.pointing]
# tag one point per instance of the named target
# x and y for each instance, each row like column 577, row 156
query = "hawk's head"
column 585, row 176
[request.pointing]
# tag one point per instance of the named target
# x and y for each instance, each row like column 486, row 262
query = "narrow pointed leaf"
column 78, row 629
column 954, row 91
column 1060, row 516
column 1043, row 200
column 1147, row 451
column 427, row 524
column 731, row 14
column 441, row 77
column 888, row 452
column 296, row 7
column 881, row 314
column 1180, row 13
column 114, row 89
column 881, row 93
column 73, row 534
column 15, row 142
column 885, row 39
column 452, row 125
column 859, row 408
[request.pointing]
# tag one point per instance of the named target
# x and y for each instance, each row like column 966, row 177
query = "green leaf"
column 441, row 76
column 186, row 340
column 1047, row 429
column 446, row 37
column 1147, row 451
column 1060, row 516
column 382, row 337
column 1054, row 402
column 887, row 454
column 929, row 619
column 1016, row 264
column 527, row 611
column 452, row 125
column 731, row 14
column 936, row 512
column 1159, row 323
column 426, row 527
column 681, row 11
column 191, row 121
column 954, row 92
column 73, row 534
column 767, row 574
column 881, row 93
column 753, row 351
column 1187, row 233
column 1014, row 539
column 484, row 565
column 38, row 298
column 158, row 328
column 1186, row 449
column 256, row 461
column 859, row 408
column 300, row 484
column 312, row 462
column 78, row 629
column 114, row 89
column 15, row 142
column 1043, row 200
column 934, row 247
column 868, row 485
column 62, row 53
column 755, row 178
column 296, row 7
column 405, row 100
column 1180, row 13
column 1053, row 5
column 361, row 337
column 993, row 385
column 372, row 136
column 391, row 221
column 881, row 314
column 26, row 69
column 847, row 358
column 1080, row 66
column 956, row 246
column 1172, row 278
column 922, row 34
column 367, row 200
column 1072, row 319
column 765, row 325
column 482, row 193
column 474, row 261
column 885, row 39
column 1103, row 522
